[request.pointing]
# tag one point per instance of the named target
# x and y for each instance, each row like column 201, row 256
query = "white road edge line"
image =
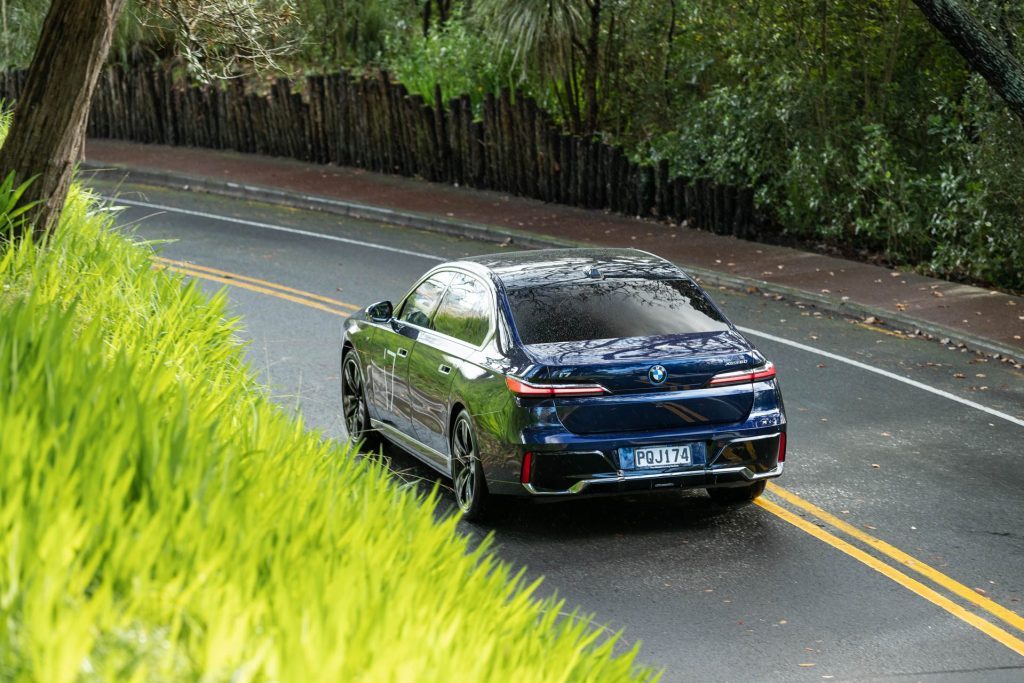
column 746, row 330
column 272, row 226
column 884, row 373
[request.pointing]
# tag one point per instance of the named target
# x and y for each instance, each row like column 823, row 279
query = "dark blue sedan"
column 565, row 373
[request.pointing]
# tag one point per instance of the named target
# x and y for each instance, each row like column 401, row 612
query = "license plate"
column 675, row 455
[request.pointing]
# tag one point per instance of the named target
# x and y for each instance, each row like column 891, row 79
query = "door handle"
column 402, row 353
column 444, row 369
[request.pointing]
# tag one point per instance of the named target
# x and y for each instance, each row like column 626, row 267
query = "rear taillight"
column 530, row 390
column 526, row 474
column 782, row 447
column 766, row 371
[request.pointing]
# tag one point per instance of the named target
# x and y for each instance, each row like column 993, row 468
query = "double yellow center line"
column 297, row 296
column 888, row 561
column 984, row 614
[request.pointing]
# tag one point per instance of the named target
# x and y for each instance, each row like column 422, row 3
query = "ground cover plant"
column 162, row 519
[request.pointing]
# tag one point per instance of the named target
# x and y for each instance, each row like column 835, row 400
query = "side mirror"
column 380, row 312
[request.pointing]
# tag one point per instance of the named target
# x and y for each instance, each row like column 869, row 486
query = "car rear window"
column 612, row 308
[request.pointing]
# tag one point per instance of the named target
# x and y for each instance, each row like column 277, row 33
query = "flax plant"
column 162, row 520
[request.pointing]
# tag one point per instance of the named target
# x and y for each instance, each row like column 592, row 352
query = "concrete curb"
column 490, row 233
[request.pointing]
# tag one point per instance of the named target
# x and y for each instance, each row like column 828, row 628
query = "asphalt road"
column 892, row 549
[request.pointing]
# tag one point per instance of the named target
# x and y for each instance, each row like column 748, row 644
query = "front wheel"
column 737, row 494
column 353, row 403
column 467, row 473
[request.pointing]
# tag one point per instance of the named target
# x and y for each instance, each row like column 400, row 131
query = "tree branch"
column 985, row 53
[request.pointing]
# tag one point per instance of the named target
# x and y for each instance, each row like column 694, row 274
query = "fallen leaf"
column 875, row 465
column 822, row 365
column 959, row 375
column 981, row 591
column 886, row 434
column 807, row 665
column 871, row 320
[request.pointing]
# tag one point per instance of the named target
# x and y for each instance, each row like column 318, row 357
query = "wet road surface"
column 813, row 584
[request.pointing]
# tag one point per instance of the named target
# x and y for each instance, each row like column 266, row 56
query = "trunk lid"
column 637, row 402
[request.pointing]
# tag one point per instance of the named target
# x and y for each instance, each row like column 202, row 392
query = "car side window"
column 419, row 305
column 465, row 313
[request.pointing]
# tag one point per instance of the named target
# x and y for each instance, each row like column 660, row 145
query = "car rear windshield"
column 611, row 308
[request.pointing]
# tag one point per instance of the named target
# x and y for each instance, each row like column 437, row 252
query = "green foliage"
column 162, row 519
column 858, row 128
column 455, row 56
column 350, row 32
column 21, row 21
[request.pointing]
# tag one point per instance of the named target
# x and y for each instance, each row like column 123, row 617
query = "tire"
column 468, row 480
column 354, row 411
column 737, row 495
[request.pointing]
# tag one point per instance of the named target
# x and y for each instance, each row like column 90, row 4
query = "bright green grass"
column 161, row 519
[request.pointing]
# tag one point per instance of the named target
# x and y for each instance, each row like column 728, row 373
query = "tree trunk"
column 984, row 52
column 48, row 128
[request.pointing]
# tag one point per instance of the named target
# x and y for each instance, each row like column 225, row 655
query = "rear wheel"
column 737, row 494
column 467, row 474
column 353, row 403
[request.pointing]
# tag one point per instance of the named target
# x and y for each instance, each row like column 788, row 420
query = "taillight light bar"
column 529, row 390
column 782, row 447
column 766, row 371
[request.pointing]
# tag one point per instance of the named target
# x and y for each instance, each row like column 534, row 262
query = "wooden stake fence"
column 373, row 123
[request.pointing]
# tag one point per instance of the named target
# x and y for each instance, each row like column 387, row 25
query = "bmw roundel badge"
column 658, row 374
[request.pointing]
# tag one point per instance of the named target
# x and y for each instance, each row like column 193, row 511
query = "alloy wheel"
column 353, row 400
column 466, row 467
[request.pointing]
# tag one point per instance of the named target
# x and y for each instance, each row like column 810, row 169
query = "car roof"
column 517, row 269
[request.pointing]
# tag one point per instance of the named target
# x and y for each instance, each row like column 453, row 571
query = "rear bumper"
column 735, row 459
column 623, row 483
